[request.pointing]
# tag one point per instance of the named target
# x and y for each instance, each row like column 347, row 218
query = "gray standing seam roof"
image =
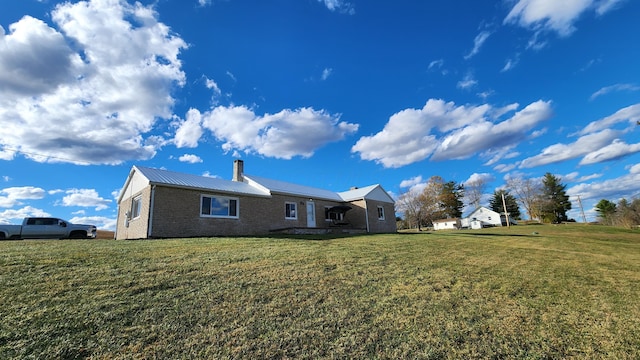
column 294, row 189
column 253, row 185
column 171, row 178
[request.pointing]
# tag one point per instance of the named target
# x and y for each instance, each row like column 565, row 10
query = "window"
column 218, row 206
column 136, row 206
column 42, row 221
column 290, row 210
column 380, row 213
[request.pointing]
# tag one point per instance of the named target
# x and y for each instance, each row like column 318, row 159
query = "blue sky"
column 325, row 93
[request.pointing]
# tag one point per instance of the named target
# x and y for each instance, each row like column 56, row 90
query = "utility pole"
column 506, row 214
column 584, row 218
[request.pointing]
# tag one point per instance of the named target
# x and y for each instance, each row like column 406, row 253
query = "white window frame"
column 136, row 207
column 380, row 212
column 290, row 206
column 220, row 200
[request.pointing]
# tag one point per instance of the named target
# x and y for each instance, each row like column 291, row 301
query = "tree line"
column 543, row 199
column 625, row 213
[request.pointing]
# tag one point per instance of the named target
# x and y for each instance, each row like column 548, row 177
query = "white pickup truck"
column 47, row 228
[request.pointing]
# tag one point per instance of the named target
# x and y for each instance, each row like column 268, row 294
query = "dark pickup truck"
column 47, row 228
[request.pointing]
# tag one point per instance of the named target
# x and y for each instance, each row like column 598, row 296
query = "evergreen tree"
column 555, row 201
column 606, row 211
column 512, row 204
column 450, row 199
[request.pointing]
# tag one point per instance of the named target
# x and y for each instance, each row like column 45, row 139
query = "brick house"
column 156, row 203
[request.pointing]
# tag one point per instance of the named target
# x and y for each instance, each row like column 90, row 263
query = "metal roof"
column 171, row 178
column 293, row 189
column 255, row 185
column 371, row 192
column 356, row 194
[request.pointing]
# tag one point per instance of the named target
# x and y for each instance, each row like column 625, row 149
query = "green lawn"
column 534, row 292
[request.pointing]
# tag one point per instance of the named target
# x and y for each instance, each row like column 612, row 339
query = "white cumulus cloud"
column 599, row 141
column 445, row 131
column 15, row 216
column 283, row 135
column 190, row 158
column 411, row 182
column 486, row 135
column 85, row 198
column 476, row 177
column 616, row 150
column 555, row 15
column 90, row 88
column 189, row 131
column 561, row 152
column 629, row 115
column 12, row 196
column 101, row 222
column 614, row 189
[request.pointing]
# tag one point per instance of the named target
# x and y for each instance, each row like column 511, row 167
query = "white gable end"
column 379, row 194
column 373, row 192
column 486, row 216
column 135, row 183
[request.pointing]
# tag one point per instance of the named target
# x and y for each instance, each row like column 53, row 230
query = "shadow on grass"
column 467, row 234
column 497, row 234
column 312, row 237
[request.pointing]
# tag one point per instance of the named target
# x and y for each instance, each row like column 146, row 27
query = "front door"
column 311, row 214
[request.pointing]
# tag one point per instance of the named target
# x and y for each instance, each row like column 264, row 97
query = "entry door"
column 311, row 214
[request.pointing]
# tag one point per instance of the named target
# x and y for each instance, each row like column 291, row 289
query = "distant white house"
column 485, row 217
column 477, row 219
column 446, row 224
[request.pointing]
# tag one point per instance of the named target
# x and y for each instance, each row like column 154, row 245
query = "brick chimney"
column 238, row 170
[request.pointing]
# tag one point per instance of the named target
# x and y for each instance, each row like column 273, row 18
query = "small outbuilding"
column 479, row 218
column 447, row 224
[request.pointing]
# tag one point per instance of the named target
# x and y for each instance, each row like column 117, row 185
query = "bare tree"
column 410, row 204
column 436, row 200
column 430, row 198
column 628, row 213
column 474, row 190
column 529, row 194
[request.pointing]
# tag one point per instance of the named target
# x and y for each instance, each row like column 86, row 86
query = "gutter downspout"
column 115, row 233
column 366, row 214
column 151, row 202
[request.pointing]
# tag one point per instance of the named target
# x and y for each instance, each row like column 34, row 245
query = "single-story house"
column 485, row 217
column 155, row 203
column 477, row 219
column 446, row 224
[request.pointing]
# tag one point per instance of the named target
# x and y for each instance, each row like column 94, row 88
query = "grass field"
column 531, row 292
